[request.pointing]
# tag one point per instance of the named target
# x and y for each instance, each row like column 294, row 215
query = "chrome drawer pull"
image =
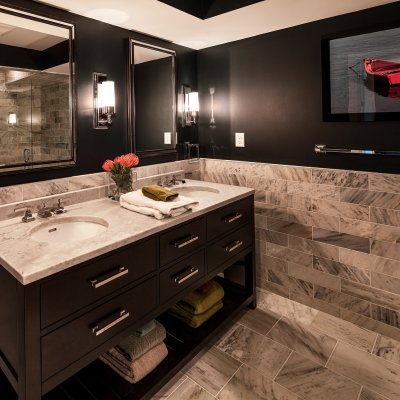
column 184, row 242
column 98, row 329
column 233, row 217
column 107, row 278
column 181, row 277
column 233, row 246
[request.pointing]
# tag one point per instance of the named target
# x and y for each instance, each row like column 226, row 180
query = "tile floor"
column 287, row 351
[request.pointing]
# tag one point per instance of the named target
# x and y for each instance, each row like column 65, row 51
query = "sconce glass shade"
column 193, row 102
column 106, row 94
column 12, row 118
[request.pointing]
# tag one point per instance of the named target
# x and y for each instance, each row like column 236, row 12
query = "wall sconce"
column 103, row 101
column 189, row 106
column 12, row 118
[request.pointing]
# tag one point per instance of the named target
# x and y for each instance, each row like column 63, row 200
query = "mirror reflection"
column 153, row 100
column 35, row 92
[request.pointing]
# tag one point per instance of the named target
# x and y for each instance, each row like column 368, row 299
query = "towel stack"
column 198, row 306
column 138, row 354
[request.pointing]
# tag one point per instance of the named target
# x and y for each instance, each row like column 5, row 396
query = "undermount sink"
column 68, row 229
column 196, row 191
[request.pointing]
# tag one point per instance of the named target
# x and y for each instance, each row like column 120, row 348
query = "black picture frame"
column 354, row 47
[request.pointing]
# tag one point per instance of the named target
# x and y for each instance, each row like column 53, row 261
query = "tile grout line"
column 280, row 369
column 189, row 378
column 330, row 356
column 273, row 326
column 373, row 347
column 186, row 377
column 240, row 366
column 359, row 393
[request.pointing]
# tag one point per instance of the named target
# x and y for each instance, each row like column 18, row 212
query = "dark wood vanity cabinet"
column 54, row 329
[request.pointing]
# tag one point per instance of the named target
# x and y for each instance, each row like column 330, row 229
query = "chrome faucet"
column 45, row 212
column 173, row 181
column 27, row 217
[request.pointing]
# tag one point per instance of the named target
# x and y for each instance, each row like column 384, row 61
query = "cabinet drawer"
column 75, row 339
column 182, row 240
column 227, row 247
column 229, row 218
column 72, row 291
column 181, row 275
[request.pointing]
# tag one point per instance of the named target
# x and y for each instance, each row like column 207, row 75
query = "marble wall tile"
column 313, row 276
column 44, row 188
column 387, row 348
column 276, row 199
column 312, row 381
column 304, row 340
column 340, row 178
column 262, row 183
column 299, row 202
column 345, row 331
column 313, row 219
column 274, row 288
column 286, row 254
column 385, row 249
column 291, row 283
column 342, row 270
column 370, row 262
column 272, row 237
column 212, row 370
column 385, row 282
column 320, row 305
column 370, row 230
column 260, row 221
column 370, row 371
column 288, row 173
column 299, row 187
column 10, row 194
column 87, row 181
column 248, row 384
column 270, row 210
column 341, row 239
column 259, row 321
column 274, row 263
column 384, row 216
column 370, row 324
column 315, row 248
column 367, row 394
column 384, row 183
column 326, row 192
column 290, row 228
column 376, row 296
column 190, row 390
column 385, row 315
column 370, row 198
column 339, row 209
column 343, row 300
column 254, row 350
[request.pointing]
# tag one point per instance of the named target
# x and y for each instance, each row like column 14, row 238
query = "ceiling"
column 158, row 19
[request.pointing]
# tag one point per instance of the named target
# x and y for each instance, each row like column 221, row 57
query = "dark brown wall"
column 270, row 87
column 100, row 47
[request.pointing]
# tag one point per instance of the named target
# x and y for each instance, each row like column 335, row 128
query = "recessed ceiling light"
column 108, row 15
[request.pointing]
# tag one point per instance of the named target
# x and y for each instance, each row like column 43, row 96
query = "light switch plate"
column 239, row 139
column 167, row 138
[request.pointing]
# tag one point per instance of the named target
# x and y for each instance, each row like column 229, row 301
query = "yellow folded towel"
column 159, row 193
column 194, row 320
column 200, row 300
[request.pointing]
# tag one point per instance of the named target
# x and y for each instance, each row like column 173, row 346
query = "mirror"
column 153, row 99
column 36, row 92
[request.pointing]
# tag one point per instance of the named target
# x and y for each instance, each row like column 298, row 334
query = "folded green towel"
column 200, row 300
column 158, row 193
column 146, row 328
column 133, row 346
column 194, row 320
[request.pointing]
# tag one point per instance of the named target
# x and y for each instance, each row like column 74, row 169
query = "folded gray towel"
column 134, row 346
column 146, row 328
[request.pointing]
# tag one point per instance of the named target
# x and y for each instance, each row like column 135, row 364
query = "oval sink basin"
column 196, row 191
column 68, row 229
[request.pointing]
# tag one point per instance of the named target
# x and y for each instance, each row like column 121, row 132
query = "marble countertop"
column 29, row 260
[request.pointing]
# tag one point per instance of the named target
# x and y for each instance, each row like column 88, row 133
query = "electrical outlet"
column 239, row 139
column 167, row 138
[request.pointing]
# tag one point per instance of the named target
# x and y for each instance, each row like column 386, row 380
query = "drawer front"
column 75, row 339
column 182, row 240
column 229, row 218
column 227, row 247
column 180, row 276
column 72, row 291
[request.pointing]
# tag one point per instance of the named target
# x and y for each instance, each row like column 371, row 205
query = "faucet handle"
column 59, row 209
column 27, row 217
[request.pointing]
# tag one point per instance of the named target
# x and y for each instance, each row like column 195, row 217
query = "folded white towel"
column 136, row 201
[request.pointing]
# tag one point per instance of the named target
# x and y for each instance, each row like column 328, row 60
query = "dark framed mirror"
column 36, row 91
column 152, row 103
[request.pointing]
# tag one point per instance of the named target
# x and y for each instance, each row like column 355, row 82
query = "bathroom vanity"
column 66, row 302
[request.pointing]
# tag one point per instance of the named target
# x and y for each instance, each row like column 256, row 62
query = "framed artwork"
column 361, row 76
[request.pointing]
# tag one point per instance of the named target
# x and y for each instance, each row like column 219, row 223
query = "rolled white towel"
column 136, row 201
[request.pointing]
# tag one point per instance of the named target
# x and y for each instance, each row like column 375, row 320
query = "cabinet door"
column 74, row 290
column 77, row 338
